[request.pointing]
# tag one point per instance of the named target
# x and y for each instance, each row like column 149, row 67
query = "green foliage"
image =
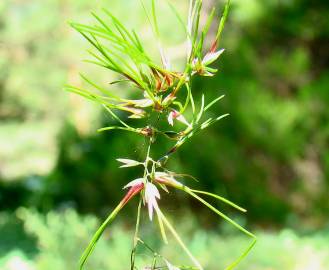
column 61, row 236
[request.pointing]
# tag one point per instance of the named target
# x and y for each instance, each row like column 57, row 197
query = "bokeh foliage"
column 56, row 240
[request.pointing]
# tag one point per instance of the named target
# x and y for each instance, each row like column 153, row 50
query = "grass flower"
column 135, row 187
column 167, row 179
column 211, row 57
column 151, row 196
column 202, row 68
column 128, row 162
column 175, row 115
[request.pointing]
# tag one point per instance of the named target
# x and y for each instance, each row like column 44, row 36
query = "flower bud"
column 167, row 179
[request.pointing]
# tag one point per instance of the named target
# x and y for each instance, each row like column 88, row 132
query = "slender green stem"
column 136, row 237
column 154, row 262
column 189, row 191
column 120, row 128
column 98, row 234
column 133, row 252
column 223, row 20
column 179, row 240
column 245, row 253
column 116, row 117
column 220, row 198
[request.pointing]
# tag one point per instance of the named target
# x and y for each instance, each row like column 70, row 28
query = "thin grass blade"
column 97, row 235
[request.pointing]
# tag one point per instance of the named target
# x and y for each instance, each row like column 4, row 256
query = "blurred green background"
column 59, row 177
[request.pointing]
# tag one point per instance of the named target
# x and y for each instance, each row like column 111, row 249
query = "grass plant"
column 166, row 95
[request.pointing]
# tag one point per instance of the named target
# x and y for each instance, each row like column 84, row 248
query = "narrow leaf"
column 162, row 229
column 220, row 198
column 223, row 20
column 97, row 235
column 180, row 242
column 201, row 110
column 213, row 102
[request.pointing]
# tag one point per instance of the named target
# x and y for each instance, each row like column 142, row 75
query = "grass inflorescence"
column 165, row 93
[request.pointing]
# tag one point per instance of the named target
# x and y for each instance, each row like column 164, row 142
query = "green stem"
column 98, row 234
column 154, row 262
column 133, row 252
column 179, row 240
column 136, row 238
column 220, row 198
column 189, row 191
column 245, row 253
